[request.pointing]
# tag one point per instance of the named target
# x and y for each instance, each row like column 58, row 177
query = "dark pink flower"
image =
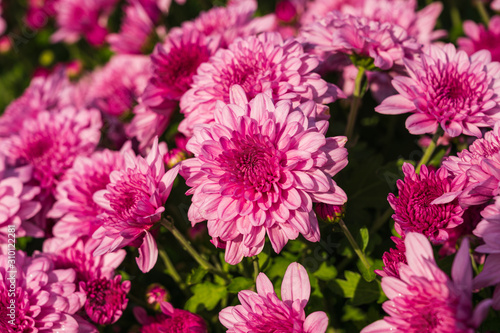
column 329, row 213
column 170, row 320
column 393, row 259
column 265, row 312
column 479, row 38
column 257, row 169
column 39, row 12
column 257, row 63
column 449, row 89
column 45, row 298
column 424, row 299
column 427, row 203
column 133, row 202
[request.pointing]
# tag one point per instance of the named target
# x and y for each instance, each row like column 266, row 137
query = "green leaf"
column 205, row 295
column 196, row 276
column 240, row 283
column 363, row 232
column 348, row 286
column 326, row 272
column 367, row 292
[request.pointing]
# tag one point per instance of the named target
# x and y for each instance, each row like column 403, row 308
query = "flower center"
column 13, row 313
column 104, row 298
column 125, row 195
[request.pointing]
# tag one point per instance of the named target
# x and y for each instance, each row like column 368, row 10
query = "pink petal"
column 148, row 253
column 295, row 285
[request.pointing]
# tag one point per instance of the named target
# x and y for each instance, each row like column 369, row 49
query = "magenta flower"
column 174, row 64
column 133, row 202
column 425, row 299
column 265, row 312
column 449, row 89
column 393, row 259
column 479, row 38
column 75, row 208
column 427, row 203
column 257, row 169
column 39, row 12
column 170, row 320
column 480, row 163
column 339, row 35
column 45, row 298
column 77, row 18
column 51, row 142
column 258, row 64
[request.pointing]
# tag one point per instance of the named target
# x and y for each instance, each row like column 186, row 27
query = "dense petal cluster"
column 447, row 88
column 393, row 259
column 424, row 299
column 265, row 312
column 258, row 168
column 258, row 64
column 427, row 203
column 479, row 38
column 45, row 298
column 133, row 202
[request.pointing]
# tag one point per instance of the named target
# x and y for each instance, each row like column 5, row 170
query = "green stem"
column 354, row 245
column 191, row 250
column 356, row 101
column 380, row 221
column 256, row 269
column 170, row 269
column 430, row 149
column 474, row 265
column 482, row 12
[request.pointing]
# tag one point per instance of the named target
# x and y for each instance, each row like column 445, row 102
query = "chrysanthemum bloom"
column 265, row 312
column 427, row 203
column 425, row 299
column 133, row 202
column 136, row 27
column 51, row 142
column 45, row 298
column 39, row 12
column 117, row 86
column 75, row 208
column 480, row 38
column 106, row 294
column 258, row 64
column 87, row 18
column 449, row 89
column 17, row 204
column 147, row 124
column 170, row 320
column 341, row 35
column 174, row 64
column 393, row 259
column 481, row 164
column 258, row 169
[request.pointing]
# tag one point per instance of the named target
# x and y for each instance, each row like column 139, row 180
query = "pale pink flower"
column 495, row 5
column 480, row 163
column 427, row 203
column 340, row 35
column 87, row 18
column 257, row 63
column 479, row 38
column 170, row 320
column 265, row 312
column 51, row 142
column 257, row 169
column 45, row 298
column 133, row 202
column 424, row 299
column 447, row 88
column 75, row 209
column 317, row 9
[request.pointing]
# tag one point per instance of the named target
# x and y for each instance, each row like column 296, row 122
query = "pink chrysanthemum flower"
column 75, row 208
column 39, row 12
column 427, row 203
column 106, row 294
column 479, row 38
column 481, row 164
column 317, row 9
column 340, row 35
column 17, row 204
column 87, row 18
column 45, row 298
column 133, row 202
column 258, row 64
column 117, row 86
column 174, row 64
column 265, row 312
column 170, row 320
column 425, row 299
column 449, row 89
column 393, row 259
column 51, row 142
column 258, row 169
column 495, row 5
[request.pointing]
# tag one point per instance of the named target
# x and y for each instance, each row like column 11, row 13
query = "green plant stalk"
column 354, row 245
column 356, row 101
column 482, row 12
column 430, row 150
column 256, row 269
column 170, row 269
